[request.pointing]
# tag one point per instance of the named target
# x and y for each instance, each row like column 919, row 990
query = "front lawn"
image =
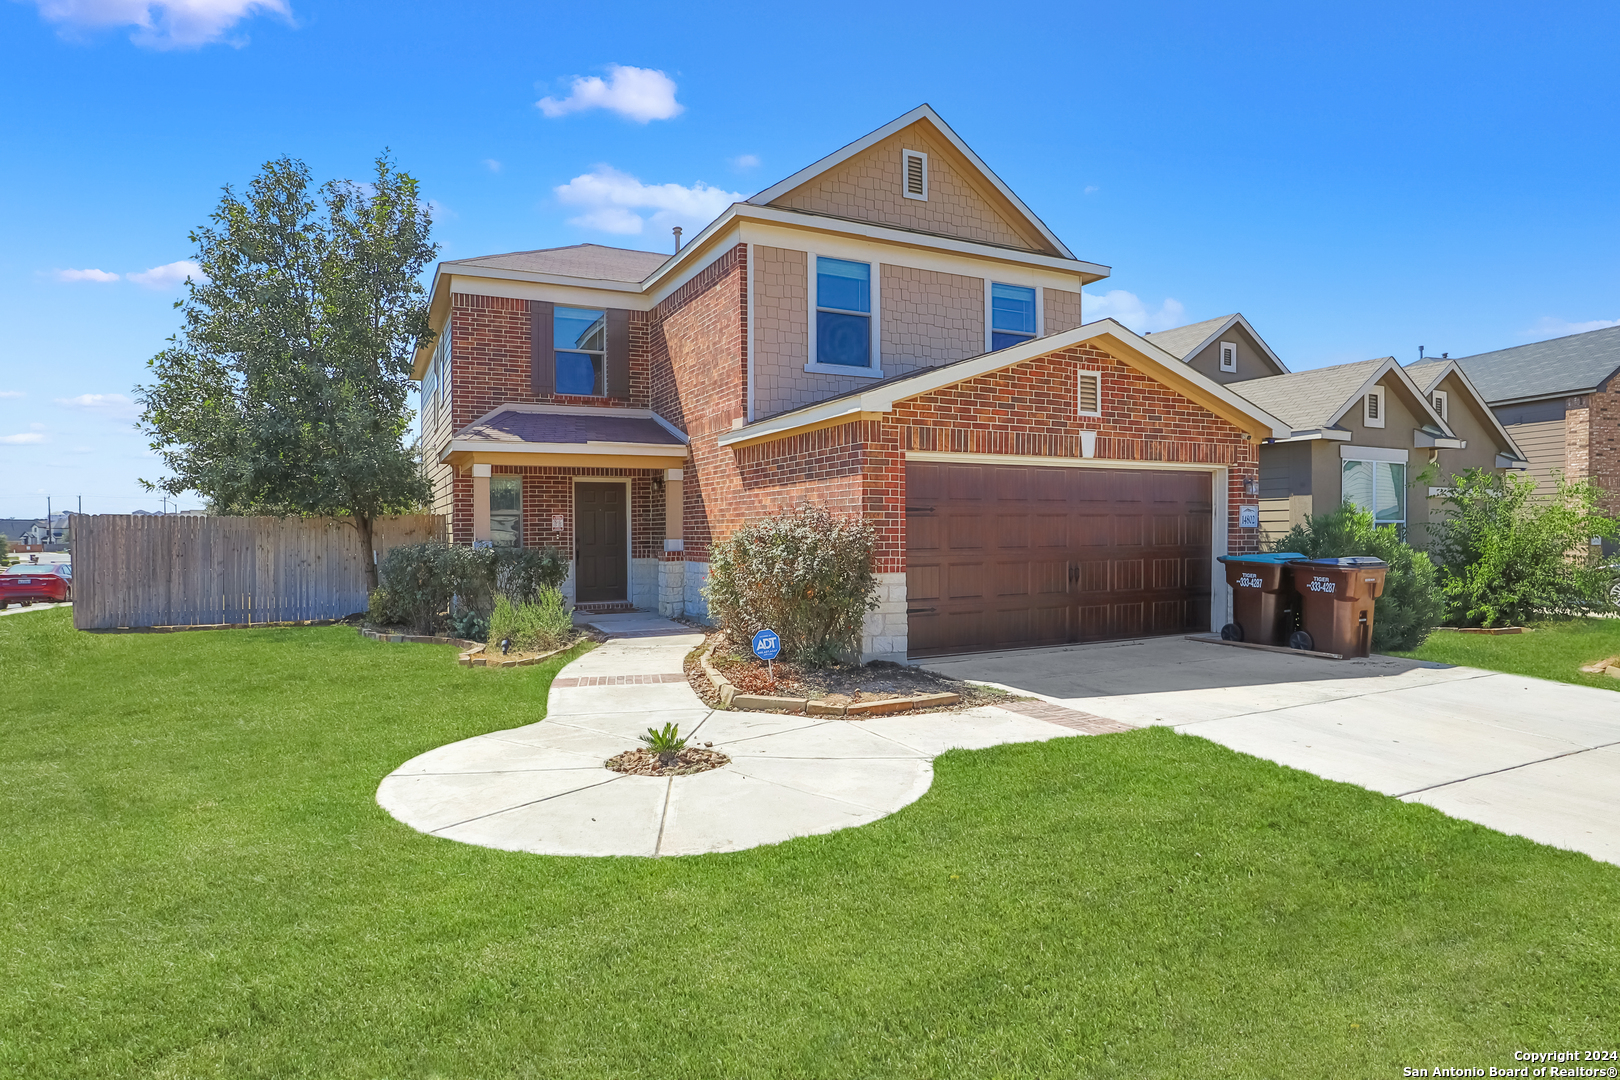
column 1556, row 650
column 195, row 881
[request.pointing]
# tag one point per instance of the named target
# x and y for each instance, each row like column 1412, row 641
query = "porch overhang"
column 562, row 435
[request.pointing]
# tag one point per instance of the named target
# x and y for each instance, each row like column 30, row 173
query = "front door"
column 600, row 565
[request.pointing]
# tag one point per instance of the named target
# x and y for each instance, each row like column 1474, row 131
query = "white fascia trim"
column 501, row 446
column 1237, row 320
column 473, row 270
column 882, row 399
column 1421, row 438
column 579, row 410
column 1451, row 367
column 1336, row 434
column 921, row 112
column 1061, row 462
column 1508, row 461
column 1371, row 453
column 1422, row 398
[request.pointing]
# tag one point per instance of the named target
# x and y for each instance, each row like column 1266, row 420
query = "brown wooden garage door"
column 1010, row 556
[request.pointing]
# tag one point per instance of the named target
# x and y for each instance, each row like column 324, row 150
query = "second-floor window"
column 843, row 313
column 1012, row 315
column 579, row 337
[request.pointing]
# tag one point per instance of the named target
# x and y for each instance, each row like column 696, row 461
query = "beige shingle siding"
column 929, row 318
column 1062, row 310
column 868, row 187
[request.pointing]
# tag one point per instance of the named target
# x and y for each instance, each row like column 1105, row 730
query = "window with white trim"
column 914, row 175
column 506, row 510
column 843, row 313
column 1228, row 356
column 1440, row 404
column 1012, row 315
column 1088, row 393
column 1377, row 486
column 1372, row 408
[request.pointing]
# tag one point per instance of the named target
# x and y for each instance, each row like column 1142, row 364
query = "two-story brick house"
column 889, row 332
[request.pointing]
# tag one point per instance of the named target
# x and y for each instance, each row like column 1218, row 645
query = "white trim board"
column 945, row 456
column 1372, row 453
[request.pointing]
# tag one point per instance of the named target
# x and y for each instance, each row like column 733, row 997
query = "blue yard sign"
column 767, row 644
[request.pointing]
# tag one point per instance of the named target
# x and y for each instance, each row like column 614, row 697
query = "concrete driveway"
column 1521, row 755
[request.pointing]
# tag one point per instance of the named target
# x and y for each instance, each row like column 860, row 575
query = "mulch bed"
column 646, row 763
column 841, row 684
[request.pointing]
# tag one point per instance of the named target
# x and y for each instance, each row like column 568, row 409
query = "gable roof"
column 925, row 114
column 1577, row 364
column 880, row 397
column 1431, row 373
column 1190, row 340
column 1313, row 400
column 575, row 260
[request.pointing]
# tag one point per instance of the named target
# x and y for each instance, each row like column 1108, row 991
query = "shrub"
column 1507, row 556
column 429, row 586
column 532, row 625
column 667, row 744
column 805, row 573
column 1410, row 605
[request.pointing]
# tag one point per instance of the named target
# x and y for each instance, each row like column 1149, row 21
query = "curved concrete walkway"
column 543, row 788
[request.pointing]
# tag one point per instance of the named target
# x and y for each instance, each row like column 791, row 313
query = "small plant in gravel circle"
column 667, row 744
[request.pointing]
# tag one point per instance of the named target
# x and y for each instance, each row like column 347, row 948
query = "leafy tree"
column 1508, row 556
column 1410, row 606
column 287, row 390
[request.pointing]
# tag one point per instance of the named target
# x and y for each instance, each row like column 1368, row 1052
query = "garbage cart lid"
column 1353, row 562
column 1271, row 557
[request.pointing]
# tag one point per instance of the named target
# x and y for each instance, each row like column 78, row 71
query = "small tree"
column 287, row 391
column 806, row 574
column 1410, row 605
column 1508, row 556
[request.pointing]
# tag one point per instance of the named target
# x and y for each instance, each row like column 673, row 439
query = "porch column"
column 480, row 496
column 672, row 563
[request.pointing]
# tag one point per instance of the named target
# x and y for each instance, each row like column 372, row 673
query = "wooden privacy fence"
column 206, row 571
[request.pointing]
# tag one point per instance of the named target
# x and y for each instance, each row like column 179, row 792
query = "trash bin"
column 1336, row 603
column 1262, row 598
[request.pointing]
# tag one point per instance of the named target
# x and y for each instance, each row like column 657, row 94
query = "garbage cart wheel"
column 1299, row 639
column 1231, row 632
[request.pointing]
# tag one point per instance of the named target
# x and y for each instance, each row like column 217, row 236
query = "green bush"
column 430, row 586
column 805, row 573
column 1410, row 606
column 532, row 625
column 1507, row 556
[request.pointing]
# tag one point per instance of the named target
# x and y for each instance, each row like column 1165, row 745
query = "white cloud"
column 492, row 165
column 610, row 200
column 1549, row 327
column 1127, row 309
column 1092, row 189
column 745, row 161
column 11, row 393
column 161, row 24
column 112, row 406
column 168, row 275
column 85, row 275
column 640, row 94
column 26, row 437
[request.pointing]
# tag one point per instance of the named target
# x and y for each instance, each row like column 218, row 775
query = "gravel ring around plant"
column 688, row 761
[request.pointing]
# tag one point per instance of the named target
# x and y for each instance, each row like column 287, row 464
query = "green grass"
column 196, row 881
column 1556, row 650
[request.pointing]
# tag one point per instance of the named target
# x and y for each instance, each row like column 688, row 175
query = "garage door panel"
column 1010, row 556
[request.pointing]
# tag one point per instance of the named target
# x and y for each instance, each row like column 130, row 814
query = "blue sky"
column 1357, row 179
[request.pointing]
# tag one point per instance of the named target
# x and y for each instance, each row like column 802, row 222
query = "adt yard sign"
column 767, row 644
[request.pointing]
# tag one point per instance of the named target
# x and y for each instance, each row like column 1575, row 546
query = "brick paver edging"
column 618, row 680
column 1065, row 717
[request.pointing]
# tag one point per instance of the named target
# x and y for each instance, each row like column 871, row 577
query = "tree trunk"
column 362, row 525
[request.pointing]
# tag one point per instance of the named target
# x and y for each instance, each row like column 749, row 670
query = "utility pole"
column 50, row 530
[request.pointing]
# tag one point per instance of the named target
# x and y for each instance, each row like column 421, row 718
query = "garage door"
column 1011, row 556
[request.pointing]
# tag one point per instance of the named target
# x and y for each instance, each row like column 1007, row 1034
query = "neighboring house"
column 889, row 332
column 1561, row 400
column 1368, row 434
column 23, row 530
column 1226, row 349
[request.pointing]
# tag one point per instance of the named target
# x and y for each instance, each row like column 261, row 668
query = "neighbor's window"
column 579, row 337
column 1378, row 486
column 1012, row 315
column 843, row 313
column 506, row 510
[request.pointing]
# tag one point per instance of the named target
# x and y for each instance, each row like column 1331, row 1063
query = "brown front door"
column 1013, row 556
column 600, row 566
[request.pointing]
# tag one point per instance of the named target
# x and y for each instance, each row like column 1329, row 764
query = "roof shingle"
column 1305, row 400
column 577, row 260
column 1567, row 365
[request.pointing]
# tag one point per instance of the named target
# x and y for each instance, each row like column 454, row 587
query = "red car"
column 28, row 583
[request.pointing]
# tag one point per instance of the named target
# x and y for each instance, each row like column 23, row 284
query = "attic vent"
column 1372, row 406
column 1228, row 356
column 915, row 165
column 1090, row 395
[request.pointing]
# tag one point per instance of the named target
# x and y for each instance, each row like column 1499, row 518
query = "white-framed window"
column 506, row 510
column 1440, row 404
column 843, row 323
column 1378, row 486
column 579, row 343
column 1014, row 315
column 1372, row 408
column 914, row 175
column 1228, row 356
column 1088, row 393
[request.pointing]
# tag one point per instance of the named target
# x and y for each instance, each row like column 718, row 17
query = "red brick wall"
column 549, row 491
column 1603, row 442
